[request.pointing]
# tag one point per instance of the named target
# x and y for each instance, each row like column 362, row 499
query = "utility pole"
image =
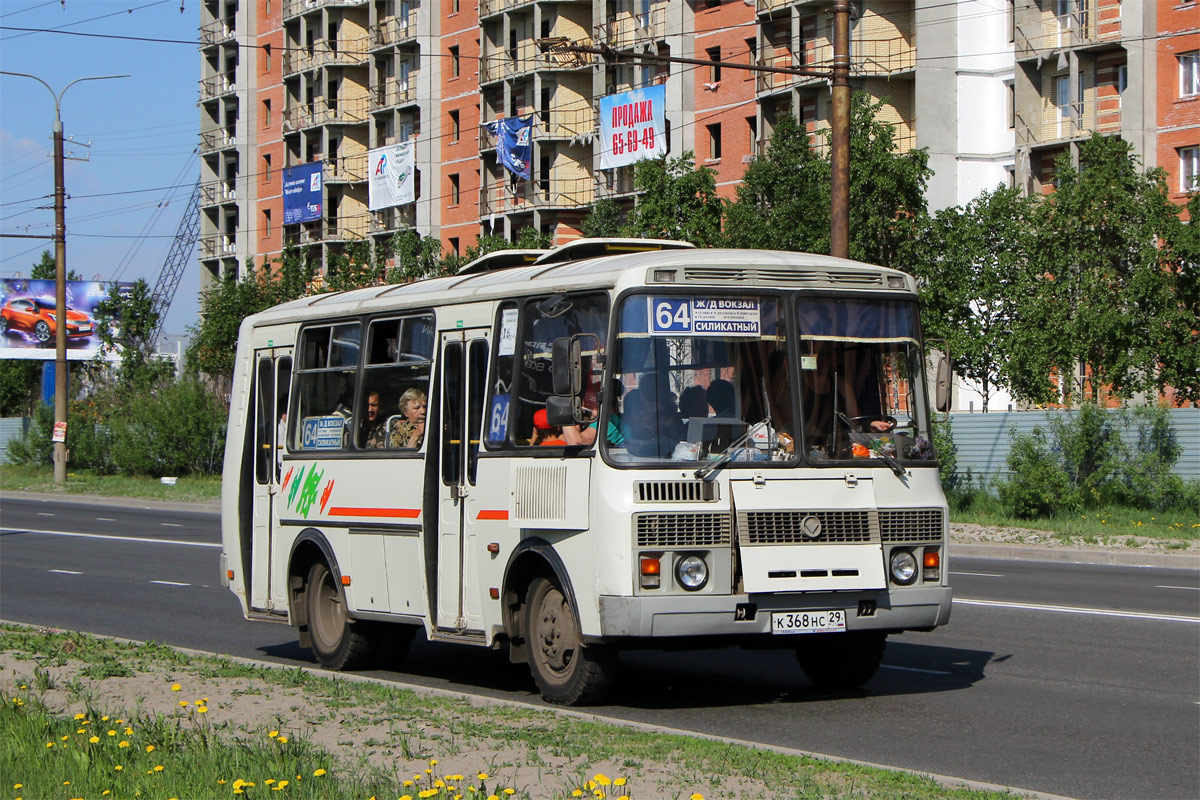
column 839, row 76
column 60, row 279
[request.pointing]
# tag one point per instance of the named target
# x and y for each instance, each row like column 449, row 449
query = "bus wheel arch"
column 531, row 559
column 318, row 601
column 310, row 547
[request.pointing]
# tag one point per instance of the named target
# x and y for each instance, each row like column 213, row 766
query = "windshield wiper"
column 727, row 455
column 858, row 438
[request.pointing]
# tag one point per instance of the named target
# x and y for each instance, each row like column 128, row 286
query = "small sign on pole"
column 60, row 432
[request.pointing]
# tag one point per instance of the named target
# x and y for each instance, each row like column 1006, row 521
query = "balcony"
column 217, row 31
column 879, row 57
column 346, row 169
column 493, row 67
column 1049, row 31
column 570, row 193
column 217, row 139
column 394, row 30
column 210, row 246
column 347, row 228
column 390, row 220
column 347, row 53
column 294, row 8
column 340, row 112
column 1059, row 124
column 216, row 86
column 217, row 192
column 395, row 93
column 565, row 123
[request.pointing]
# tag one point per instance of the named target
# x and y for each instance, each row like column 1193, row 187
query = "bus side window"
column 395, row 383
column 325, row 386
column 500, row 384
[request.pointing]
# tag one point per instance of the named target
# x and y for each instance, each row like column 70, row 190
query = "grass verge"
column 93, row 718
column 188, row 489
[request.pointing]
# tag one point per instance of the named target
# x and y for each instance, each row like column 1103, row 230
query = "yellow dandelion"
column 603, row 779
column 268, row 781
column 697, row 796
column 493, row 797
column 65, row 738
column 619, row 782
column 104, row 718
column 283, row 784
column 202, row 709
column 238, row 791
column 577, row 793
column 106, row 792
column 408, row 783
column 66, row 783
column 49, row 744
column 220, row 781
column 272, row 734
column 123, row 743
column 129, row 731
column 82, row 730
column 318, row 773
column 623, row 797
column 406, row 797
column 510, row 791
column 158, row 768
column 433, row 762
column 80, row 716
column 149, row 748
column 18, row 785
column 112, row 733
column 94, row 739
column 183, row 703
column 175, row 687
column 483, row 776
column 439, row 783
column 118, row 768
column 282, row 740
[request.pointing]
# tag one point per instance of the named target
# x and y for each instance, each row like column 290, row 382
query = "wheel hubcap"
column 555, row 634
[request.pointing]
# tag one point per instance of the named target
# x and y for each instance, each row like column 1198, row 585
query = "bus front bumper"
column 915, row 608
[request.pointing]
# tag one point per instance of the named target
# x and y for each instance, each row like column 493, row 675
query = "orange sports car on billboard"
column 38, row 317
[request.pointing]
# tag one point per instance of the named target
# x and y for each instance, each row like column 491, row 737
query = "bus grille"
column 672, row 531
column 911, row 525
column 783, row 276
column 540, row 493
column 674, row 491
column 786, row 527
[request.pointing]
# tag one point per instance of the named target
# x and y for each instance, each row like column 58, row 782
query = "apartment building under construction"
column 995, row 89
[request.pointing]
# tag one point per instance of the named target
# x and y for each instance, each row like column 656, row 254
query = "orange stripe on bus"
column 347, row 511
column 492, row 514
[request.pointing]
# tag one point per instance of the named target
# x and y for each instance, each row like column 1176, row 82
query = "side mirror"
column 944, row 385
column 560, row 410
column 565, row 366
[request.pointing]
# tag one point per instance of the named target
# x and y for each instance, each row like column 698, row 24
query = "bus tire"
column 338, row 642
column 566, row 671
column 841, row 661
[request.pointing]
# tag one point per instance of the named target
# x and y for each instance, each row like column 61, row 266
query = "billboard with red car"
column 29, row 318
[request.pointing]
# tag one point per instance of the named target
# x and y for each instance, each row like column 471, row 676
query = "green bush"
column 1089, row 447
column 176, row 429
column 1145, row 480
column 1039, row 485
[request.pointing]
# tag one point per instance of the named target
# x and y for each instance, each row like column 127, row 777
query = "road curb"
column 121, row 502
column 948, row 781
column 1121, row 558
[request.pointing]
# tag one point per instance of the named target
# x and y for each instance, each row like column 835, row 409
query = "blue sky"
column 143, row 133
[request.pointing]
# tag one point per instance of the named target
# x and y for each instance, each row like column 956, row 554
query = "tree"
column 416, row 256
column 604, row 219
column 1114, row 289
column 971, row 264
column 783, row 200
column 126, row 322
column 676, row 201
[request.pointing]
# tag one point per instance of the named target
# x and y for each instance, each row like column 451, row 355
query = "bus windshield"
column 699, row 378
column 862, row 391
column 704, row 378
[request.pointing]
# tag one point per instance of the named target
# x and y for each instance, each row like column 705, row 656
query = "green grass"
column 47, row 746
column 1108, row 525
column 189, row 489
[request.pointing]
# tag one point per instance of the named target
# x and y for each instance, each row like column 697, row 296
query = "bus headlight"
column 904, row 567
column 691, row 572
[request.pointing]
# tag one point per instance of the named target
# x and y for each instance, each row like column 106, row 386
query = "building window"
column 454, row 244
column 266, row 58
column 455, row 129
column 752, row 49
column 1122, row 82
column 752, row 126
column 266, row 168
column 454, row 189
column 1010, row 96
column 714, row 141
column 266, row 113
column 455, row 66
column 1189, row 74
column 714, row 70
column 266, row 223
column 1189, row 169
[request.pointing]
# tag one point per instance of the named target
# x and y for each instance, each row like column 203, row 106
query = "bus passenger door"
column 273, row 375
column 463, row 384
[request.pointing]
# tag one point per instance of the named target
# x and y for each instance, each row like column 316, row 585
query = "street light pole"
column 60, row 278
column 839, row 156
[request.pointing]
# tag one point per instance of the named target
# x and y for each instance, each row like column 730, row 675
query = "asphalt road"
column 1069, row 679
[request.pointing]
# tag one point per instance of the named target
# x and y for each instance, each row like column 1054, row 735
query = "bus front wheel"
column 566, row 670
column 338, row 642
column 841, row 661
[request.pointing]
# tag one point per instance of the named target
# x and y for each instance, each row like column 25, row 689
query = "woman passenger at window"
column 408, row 431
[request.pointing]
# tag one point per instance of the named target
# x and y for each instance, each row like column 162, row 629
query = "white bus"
column 612, row 444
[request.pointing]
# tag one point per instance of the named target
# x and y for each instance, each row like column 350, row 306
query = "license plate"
column 833, row 621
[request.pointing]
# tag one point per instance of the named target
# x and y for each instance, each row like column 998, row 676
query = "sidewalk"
column 1124, row 557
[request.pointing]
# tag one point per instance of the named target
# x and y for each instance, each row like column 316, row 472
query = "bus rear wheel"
column 841, row 661
column 338, row 642
column 566, row 670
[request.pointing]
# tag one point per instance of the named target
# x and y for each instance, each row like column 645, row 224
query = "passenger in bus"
column 832, row 386
column 723, row 398
column 693, row 403
column 544, row 434
column 375, row 424
column 407, row 432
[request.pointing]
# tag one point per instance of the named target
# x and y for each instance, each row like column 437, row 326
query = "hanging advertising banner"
column 633, row 126
column 302, row 193
column 392, row 181
column 29, row 320
column 514, row 144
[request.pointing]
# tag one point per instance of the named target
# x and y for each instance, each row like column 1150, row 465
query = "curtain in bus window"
column 395, row 384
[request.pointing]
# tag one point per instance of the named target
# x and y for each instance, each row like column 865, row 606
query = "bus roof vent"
column 674, row 492
column 501, row 259
column 594, row 248
column 782, row 276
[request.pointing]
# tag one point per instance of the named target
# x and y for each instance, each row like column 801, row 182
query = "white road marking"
column 65, row 571
column 916, row 669
column 172, row 524
column 980, row 574
column 105, row 519
column 113, row 538
column 1098, row 612
column 171, row 583
column 1188, row 588
column 45, row 513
